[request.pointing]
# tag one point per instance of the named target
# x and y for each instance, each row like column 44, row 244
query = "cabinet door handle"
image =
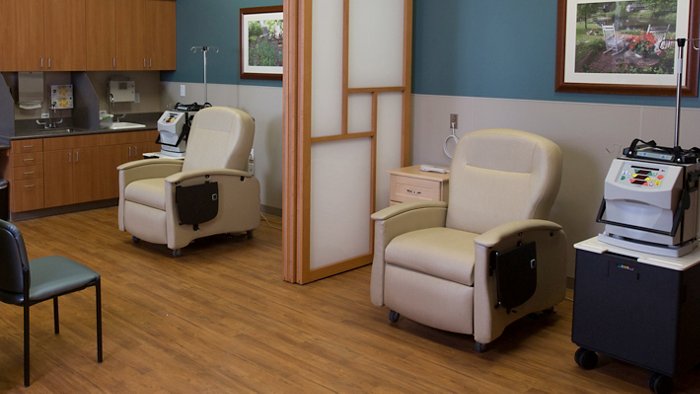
column 41, row 62
column 49, row 62
column 150, row 62
column 144, row 63
column 114, row 62
column 77, row 156
column 70, row 157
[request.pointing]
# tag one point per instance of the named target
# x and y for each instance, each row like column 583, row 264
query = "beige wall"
column 590, row 136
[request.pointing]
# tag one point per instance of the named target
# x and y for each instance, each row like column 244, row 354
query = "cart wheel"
column 394, row 316
column 135, row 239
column 479, row 347
column 176, row 252
column 585, row 358
column 660, row 384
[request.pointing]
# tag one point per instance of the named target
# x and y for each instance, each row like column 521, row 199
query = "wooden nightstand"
column 412, row 184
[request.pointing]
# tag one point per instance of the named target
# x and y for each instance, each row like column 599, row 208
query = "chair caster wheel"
column 394, row 316
column 586, row 359
column 135, row 239
column 479, row 347
column 660, row 384
column 177, row 252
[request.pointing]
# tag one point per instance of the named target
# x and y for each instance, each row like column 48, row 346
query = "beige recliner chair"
column 471, row 266
column 218, row 147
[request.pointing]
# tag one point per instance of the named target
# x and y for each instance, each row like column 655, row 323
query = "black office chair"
column 26, row 283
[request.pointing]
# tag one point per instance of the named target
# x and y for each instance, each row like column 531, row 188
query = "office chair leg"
column 98, row 321
column 26, row 343
column 55, row 316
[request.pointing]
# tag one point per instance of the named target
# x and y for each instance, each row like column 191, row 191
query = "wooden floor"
column 220, row 319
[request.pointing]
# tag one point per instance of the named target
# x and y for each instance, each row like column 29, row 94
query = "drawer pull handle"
column 29, row 159
column 29, row 173
column 27, row 146
column 417, row 192
column 28, row 186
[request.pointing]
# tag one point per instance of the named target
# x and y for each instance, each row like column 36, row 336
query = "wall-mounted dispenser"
column 30, row 86
column 122, row 91
column 61, row 96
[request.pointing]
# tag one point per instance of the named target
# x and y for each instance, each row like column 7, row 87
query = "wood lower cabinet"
column 26, row 175
column 70, row 176
column 59, row 171
column 112, row 156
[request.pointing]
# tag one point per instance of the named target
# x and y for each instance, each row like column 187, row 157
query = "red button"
column 660, row 176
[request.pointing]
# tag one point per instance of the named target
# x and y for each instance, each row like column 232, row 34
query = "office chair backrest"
column 501, row 175
column 14, row 264
column 220, row 137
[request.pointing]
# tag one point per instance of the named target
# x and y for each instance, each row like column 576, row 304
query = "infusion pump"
column 651, row 206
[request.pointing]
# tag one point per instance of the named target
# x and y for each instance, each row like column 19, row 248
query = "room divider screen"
column 347, row 76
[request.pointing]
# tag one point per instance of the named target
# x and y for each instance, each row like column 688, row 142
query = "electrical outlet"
column 183, row 90
column 44, row 115
column 453, row 121
column 137, row 98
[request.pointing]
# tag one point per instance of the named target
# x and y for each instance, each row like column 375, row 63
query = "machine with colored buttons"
column 651, row 206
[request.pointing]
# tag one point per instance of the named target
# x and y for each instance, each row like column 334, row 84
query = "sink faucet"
column 51, row 122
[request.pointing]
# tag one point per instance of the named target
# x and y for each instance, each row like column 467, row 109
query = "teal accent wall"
column 496, row 48
column 214, row 23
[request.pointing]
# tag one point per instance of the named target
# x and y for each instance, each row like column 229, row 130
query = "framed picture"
column 261, row 42
column 626, row 47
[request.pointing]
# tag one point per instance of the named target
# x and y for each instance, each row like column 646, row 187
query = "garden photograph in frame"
column 261, row 42
column 626, row 47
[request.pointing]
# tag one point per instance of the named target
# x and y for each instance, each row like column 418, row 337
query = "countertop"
column 26, row 130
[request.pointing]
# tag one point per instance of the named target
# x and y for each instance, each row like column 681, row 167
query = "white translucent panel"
column 376, row 40
column 359, row 113
column 389, row 123
column 327, row 68
column 340, row 201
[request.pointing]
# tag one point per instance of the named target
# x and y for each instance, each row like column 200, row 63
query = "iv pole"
column 679, row 82
column 204, row 49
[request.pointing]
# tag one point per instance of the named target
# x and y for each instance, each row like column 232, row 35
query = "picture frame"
column 626, row 46
column 261, row 42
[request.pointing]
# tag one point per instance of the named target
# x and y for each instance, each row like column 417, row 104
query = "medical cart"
column 637, row 307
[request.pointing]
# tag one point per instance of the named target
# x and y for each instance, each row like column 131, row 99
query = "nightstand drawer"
column 411, row 189
column 28, row 172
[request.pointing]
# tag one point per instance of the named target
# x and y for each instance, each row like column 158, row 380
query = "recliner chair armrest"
column 551, row 244
column 148, row 168
column 397, row 209
column 492, row 237
column 149, row 162
column 393, row 221
column 185, row 175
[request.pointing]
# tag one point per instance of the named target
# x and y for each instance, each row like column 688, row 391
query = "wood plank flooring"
column 220, row 319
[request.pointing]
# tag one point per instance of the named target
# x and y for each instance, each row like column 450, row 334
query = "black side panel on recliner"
column 516, row 275
column 198, row 203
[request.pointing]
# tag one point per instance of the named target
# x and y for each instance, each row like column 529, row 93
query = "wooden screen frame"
column 298, row 139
